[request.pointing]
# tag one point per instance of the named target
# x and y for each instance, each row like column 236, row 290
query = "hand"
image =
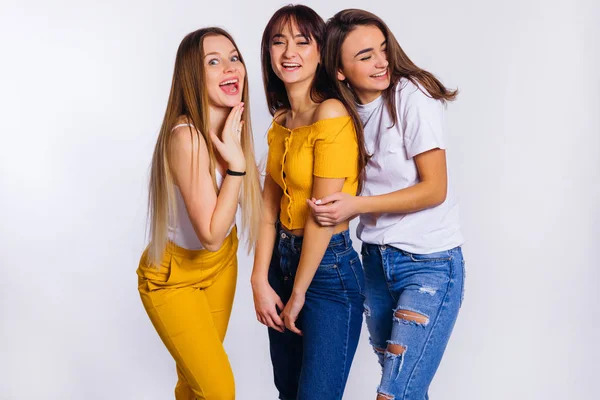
column 291, row 311
column 229, row 145
column 265, row 303
column 333, row 209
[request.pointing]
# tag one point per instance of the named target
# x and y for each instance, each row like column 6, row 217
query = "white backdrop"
column 83, row 88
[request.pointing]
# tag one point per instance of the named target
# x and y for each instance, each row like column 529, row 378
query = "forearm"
column 263, row 252
column 224, row 214
column 315, row 242
column 419, row 197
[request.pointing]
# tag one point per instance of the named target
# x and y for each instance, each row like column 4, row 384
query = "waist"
column 341, row 236
column 341, row 227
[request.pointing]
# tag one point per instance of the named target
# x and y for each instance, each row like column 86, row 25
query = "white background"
column 83, row 88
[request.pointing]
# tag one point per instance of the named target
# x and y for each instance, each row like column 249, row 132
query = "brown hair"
column 189, row 98
column 325, row 85
column 337, row 29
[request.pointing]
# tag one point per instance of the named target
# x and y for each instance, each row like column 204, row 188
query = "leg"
column 183, row 320
column 220, row 297
column 422, row 322
column 379, row 303
column 286, row 347
column 331, row 324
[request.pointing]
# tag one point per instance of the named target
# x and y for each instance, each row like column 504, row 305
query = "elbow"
column 439, row 197
column 212, row 246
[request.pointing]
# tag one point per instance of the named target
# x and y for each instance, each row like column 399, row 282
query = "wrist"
column 360, row 205
column 237, row 166
column 298, row 292
column 256, row 281
column 236, row 172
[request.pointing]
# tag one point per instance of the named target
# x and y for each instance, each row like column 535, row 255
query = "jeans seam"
column 433, row 326
column 346, row 340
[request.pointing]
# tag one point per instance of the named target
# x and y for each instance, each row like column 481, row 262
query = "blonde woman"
column 203, row 165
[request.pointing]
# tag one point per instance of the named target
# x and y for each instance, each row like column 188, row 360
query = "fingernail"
column 318, row 202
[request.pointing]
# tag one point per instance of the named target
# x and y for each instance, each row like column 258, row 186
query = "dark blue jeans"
column 315, row 366
column 400, row 285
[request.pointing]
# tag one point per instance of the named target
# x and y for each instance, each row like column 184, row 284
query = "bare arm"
column 211, row 215
column 429, row 192
column 265, row 298
column 266, row 235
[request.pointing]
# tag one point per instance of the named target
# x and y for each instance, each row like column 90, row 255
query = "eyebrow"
column 369, row 49
column 216, row 53
column 280, row 35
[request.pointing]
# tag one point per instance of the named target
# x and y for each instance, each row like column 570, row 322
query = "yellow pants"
column 189, row 299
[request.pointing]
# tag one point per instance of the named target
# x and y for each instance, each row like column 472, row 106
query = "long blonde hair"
column 188, row 97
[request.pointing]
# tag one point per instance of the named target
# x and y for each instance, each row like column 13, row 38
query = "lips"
column 230, row 86
column 380, row 75
column 290, row 67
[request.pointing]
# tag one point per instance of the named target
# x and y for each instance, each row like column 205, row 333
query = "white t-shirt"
column 419, row 128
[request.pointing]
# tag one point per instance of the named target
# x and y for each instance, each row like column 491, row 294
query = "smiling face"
column 224, row 71
column 294, row 57
column 364, row 62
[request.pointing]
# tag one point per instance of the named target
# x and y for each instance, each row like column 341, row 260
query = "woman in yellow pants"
column 203, row 166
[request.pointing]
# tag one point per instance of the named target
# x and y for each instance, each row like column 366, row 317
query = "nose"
column 382, row 61
column 289, row 50
column 229, row 67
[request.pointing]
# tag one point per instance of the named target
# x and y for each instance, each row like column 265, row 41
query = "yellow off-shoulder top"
column 327, row 148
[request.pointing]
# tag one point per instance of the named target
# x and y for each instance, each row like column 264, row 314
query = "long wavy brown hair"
column 188, row 98
column 324, row 86
column 337, row 29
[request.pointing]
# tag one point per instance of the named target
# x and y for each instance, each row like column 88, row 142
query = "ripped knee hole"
column 411, row 316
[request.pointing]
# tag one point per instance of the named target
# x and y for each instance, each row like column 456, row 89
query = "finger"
column 231, row 117
column 325, row 210
column 276, row 320
column 311, row 204
column 274, row 325
column 240, row 129
column 293, row 328
column 279, row 303
column 217, row 142
column 260, row 318
column 328, row 199
column 325, row 221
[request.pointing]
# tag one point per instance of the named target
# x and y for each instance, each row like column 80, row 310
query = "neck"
column 299, row 97
column 367, row 96
column 217, row 117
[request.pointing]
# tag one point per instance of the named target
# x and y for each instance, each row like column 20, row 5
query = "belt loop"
column 346, row 235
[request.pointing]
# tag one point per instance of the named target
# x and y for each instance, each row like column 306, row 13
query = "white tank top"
column 183, row 234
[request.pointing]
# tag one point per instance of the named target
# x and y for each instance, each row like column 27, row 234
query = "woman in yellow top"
column 187, row 275
column 306, row 278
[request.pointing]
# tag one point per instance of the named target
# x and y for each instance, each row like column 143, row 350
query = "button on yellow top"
column 327, row 149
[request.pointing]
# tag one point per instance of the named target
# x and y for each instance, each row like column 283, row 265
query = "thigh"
column 379, row 302
column 423, row 320
column 220, row 297
column 331, row 324
column 183, row 320
column 285, row 348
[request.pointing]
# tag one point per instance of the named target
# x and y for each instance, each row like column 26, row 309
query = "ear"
column 340, row 75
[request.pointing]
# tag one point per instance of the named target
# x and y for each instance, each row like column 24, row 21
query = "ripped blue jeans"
column 412, row 302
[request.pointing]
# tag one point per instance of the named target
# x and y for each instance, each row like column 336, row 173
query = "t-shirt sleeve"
column 336, row 150
column 422, row 120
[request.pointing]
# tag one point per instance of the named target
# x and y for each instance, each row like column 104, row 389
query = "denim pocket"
column 329, row 260
column 432, row 257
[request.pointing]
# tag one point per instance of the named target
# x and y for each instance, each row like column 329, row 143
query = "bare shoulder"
column 185, row 140
column 330, row 108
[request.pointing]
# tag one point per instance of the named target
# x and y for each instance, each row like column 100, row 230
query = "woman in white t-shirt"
column 413, row 264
